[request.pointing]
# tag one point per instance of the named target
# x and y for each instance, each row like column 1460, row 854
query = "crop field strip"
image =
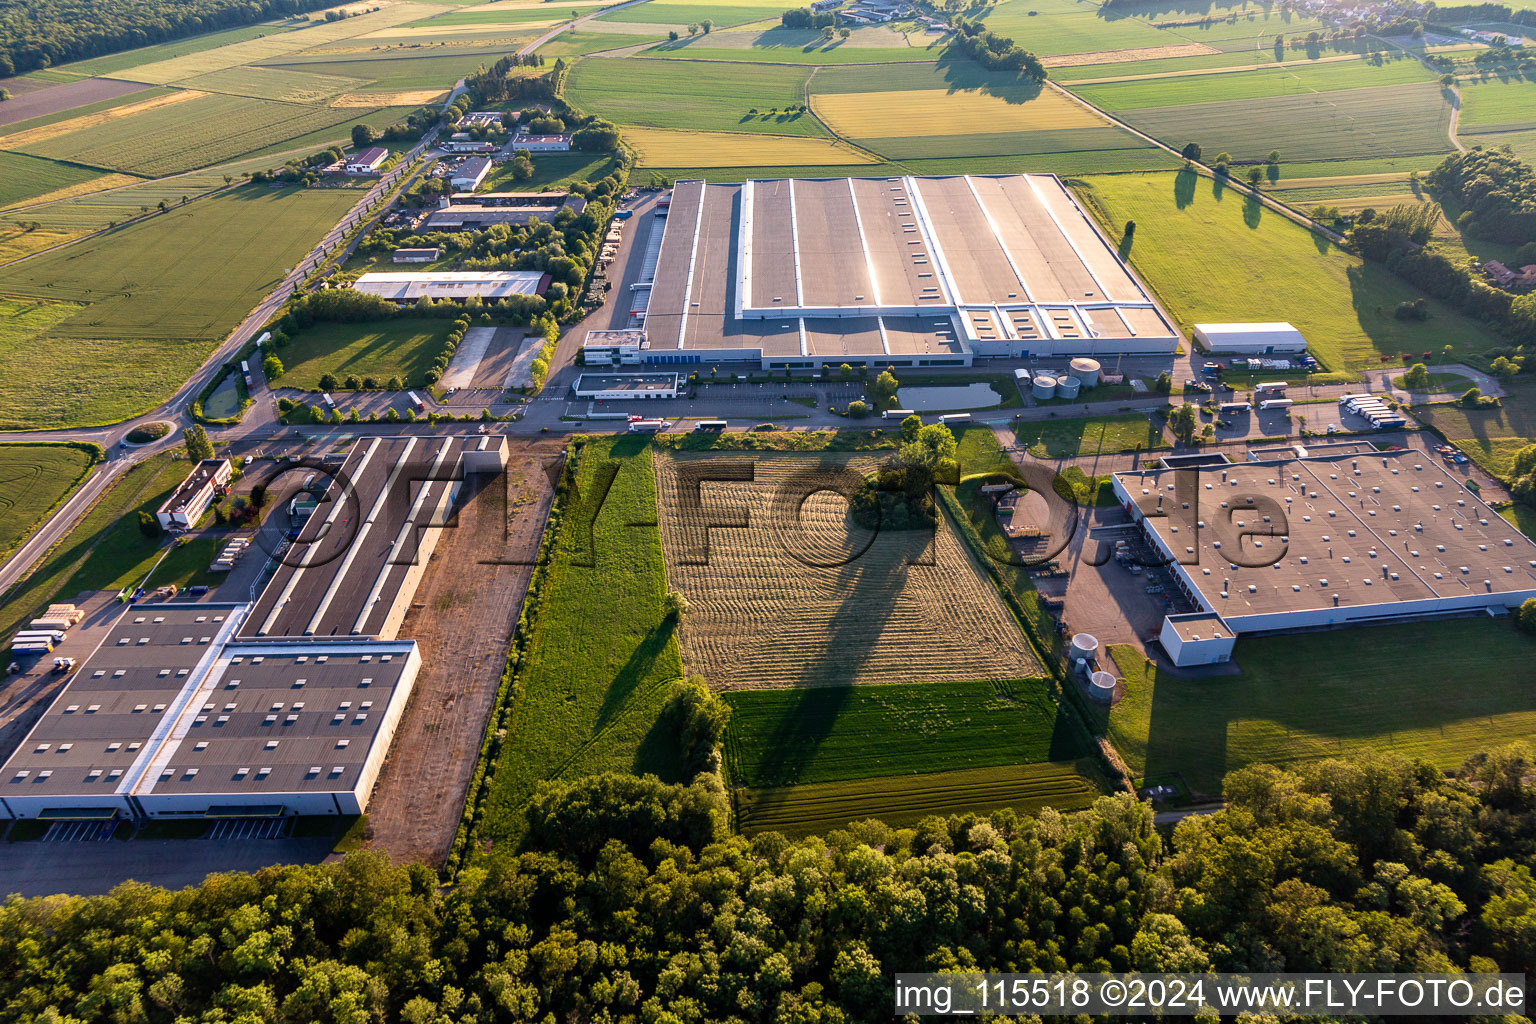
column 791, row 737
column 1300, row 698
column 1403, row 120
column 822, row 602
column 116, row 63
column 902, row 801
column 272, row 84
column 661, row 148
column 27, row 178
column 1497, row 105
column 172, row 137
column 1287, row 81
column 1196, row 255
column 687, row 12
column 701, row 96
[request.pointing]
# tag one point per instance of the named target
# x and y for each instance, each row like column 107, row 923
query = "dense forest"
column 1494, row 190
column 39, row 35
column 630, row 900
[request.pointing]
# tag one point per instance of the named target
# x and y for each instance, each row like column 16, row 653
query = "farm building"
column 414, row 255
column 542, row 143
column 626, row 385
column 368, row 161
column 283, row 706
column 409, row 286
column 471, row 211
column 1250, row 339
column 886, row 272
column 470, row 175
column 1314, row 540
column 191, row 499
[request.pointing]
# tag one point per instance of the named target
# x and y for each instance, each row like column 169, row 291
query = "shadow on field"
column 1184, row 184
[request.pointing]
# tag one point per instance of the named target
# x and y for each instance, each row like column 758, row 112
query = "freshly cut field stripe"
column 904, row 799
column 661, row 148
column 1069, row 140
column 42, row 133
column 932, row 112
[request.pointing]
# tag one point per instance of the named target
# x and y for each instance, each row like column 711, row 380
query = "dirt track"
column 462, row 616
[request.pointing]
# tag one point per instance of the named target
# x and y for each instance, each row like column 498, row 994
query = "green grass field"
column 1081, row 438
column 700, row 96
column 1242, row 85
column 904, row 800
column 34, row 480
column 1496, row 105
column 1490, row 436
column 828, row 734
column 1394, row 120
column 1327, row 695
column 801, row 46
column 1050, row 27
column 116, row 62
column 550, row 169
column 157, row 297
column 25, row 177
column 688, row 12
column 181, row 136
column 1215, row 256
column 392, row 71
column 603, row 657
column 403, row 348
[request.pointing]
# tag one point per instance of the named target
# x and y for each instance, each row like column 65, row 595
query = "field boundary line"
column 1200, row 72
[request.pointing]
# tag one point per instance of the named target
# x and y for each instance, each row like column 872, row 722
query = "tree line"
column 39, row 35
column 992, row 51
column 631, row 900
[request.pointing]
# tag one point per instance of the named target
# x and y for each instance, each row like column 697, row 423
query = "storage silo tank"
column 1086, row 371
column 1044, row 387
column 1068, row 387
column 1101, row 687
column 1085, row 647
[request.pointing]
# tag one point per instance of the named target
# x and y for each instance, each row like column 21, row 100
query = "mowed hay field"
column 157, row 296
column 26, row 178
column 1497, row 104
column 1213, row 255
column 1325, row 695
column 1279, row 81
column 698, row 96
column 1490, row 436
column 660, row 148
column 402, row 347
column 806, row 598
column 34, row 479
column 904, row 800
column 830, row 734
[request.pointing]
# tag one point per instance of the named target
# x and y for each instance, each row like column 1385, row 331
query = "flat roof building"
column 284, row 706
column 889, row 272
column 1303, row 542
column 471, row 174
column 1198, row 638
column 1250, row 339
column 626, row 385
column 191, row 499
column 408, row 286
column 426, row 255
column 542, row 143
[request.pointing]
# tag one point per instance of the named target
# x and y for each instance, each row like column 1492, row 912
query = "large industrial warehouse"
column 1305, row 542
column 284, row 706
column 799, row 274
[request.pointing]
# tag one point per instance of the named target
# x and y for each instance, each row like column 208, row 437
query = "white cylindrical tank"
column 1086, row 371
column 1085, row 646
column 1044, row 386
column 1101, row 687
column 1068, row 387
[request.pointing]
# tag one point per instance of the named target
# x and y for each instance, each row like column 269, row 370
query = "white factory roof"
column 1226, row 331
column 455, row 284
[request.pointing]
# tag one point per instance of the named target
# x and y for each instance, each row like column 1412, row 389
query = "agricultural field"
column 1195, row 247
column 801, row 46
column 119, row 62
column 659, row 148
column 809, row 598
column 602, row 659
column 24, row 178
column 1279, row 81
column 157, row 295
column 403, row 348
column 1084, row 438
column 1522, row 144
column 903, row 800
column 1393, row 120
column 552, row 169
column 34, row 480
column 200, row 130
column 700, row 97
column 1491, row 437
column 1050, row 27
column 1496, row 105
column 688, row 12
column 36, row 103
column 836, row 733
column 272, row 84
column 1300, row 697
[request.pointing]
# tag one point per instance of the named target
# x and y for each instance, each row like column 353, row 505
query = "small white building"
column 469, row 177
column 368, row 161
column 1250, row 339
column 1199, row 638
column 189, row 501
column 409, row 286
column 626, row 385
column 542, row 143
